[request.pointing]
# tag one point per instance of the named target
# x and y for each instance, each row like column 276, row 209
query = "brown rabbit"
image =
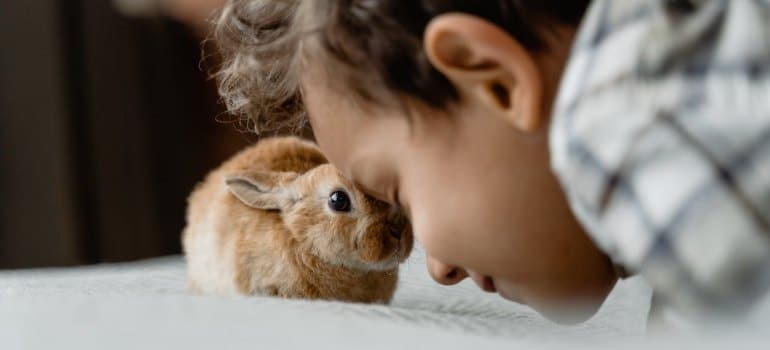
column 277, row 220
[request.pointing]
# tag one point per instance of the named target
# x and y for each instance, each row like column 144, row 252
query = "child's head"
column 441, row 107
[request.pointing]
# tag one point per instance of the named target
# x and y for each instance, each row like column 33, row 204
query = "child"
column 448, row 108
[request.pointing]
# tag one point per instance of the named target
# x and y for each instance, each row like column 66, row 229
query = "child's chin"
column 565, row 312
column 568, row 314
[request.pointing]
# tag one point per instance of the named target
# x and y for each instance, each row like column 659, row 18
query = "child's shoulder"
column 658, row 136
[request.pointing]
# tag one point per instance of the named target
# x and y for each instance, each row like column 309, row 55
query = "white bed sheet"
column 144, row 305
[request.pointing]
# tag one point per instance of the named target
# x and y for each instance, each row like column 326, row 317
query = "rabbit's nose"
column 395, row 232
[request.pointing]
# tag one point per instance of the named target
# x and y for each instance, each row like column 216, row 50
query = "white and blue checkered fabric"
column 661, row 139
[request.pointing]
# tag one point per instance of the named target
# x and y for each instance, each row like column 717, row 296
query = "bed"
column 144, row 305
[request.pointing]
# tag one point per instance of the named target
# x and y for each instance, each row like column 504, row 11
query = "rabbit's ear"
column 268, row 190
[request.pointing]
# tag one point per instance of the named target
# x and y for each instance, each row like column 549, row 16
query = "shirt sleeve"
column 661, row 139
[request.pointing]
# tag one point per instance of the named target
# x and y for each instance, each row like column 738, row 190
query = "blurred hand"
column 194, row 13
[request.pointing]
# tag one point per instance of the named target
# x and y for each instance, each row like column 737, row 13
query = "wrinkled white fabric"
column 126, row 305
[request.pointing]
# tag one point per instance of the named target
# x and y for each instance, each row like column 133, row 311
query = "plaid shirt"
column 661, row 139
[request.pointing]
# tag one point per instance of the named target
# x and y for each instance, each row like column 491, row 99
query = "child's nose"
column 445, row 274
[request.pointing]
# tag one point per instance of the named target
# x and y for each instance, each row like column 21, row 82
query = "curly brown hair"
column 377, row 44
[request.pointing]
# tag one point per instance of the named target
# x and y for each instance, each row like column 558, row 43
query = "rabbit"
column 277, row 220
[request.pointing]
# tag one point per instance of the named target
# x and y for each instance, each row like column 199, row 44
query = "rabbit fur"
column 262, row 224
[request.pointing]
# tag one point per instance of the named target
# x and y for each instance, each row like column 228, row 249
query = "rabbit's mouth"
column 405, row 243
column 385, row 246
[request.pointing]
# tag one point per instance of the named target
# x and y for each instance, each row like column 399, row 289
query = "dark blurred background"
column 107, row 120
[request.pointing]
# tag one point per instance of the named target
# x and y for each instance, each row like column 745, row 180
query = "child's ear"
column 487, row 65
column 263, row 189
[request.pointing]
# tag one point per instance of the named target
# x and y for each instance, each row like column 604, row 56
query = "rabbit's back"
column 224, row 238
column 287, row 154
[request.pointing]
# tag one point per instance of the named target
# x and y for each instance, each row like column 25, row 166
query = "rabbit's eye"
column 339, row 201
